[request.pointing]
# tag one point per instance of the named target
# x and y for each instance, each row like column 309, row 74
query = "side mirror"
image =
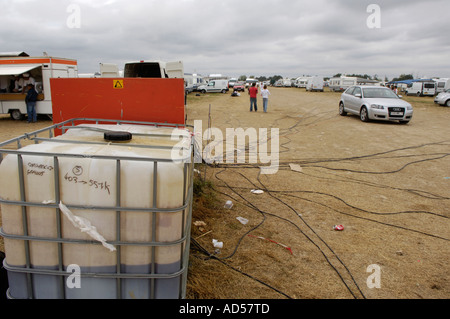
column 400, row 96
column 358, row 95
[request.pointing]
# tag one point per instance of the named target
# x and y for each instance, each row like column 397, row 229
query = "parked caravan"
column 40, row 71
column 340, row 84
column 301, row 82
column 109, row 70
column 154, row 69
column 287, row 83
column 421, row 88
column 315, row 83
column 442, row 85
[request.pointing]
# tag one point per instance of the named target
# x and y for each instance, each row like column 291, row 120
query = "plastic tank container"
column 127, row 183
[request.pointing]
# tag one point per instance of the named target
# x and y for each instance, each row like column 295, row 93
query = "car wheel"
column 447, row 103
column 418, row 94
column 203, row 91
column 224, row 91
column 364, row 115
column 342, row 109
column 16, row 115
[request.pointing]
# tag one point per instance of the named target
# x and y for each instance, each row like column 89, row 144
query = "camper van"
column 442, row 85
column 215, row 86
column 301, row 82
column 41, row 69
column 154, row 69
column 315, row 83
column 421, row 88
column 340, row 84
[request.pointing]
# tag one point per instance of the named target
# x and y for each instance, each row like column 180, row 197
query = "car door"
column 355, row 100
column 211, row 86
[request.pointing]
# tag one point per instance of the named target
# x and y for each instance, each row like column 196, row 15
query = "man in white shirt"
column 18, row 84
column 27, row 79
column 265, row 95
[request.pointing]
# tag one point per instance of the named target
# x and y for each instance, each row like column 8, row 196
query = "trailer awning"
column 16, row 70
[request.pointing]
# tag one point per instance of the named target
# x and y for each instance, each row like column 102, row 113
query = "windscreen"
column 379, row 93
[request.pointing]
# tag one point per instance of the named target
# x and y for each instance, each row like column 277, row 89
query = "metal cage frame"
column 14, row 146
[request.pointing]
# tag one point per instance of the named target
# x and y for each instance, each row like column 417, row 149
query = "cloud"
column 233, row 37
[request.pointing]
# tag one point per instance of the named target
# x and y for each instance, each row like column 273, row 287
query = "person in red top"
column 253, row 92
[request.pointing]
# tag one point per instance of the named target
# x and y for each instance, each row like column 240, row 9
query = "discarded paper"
column 217, row 244
column 243, row 220
column 228, row 204
column 296, row 168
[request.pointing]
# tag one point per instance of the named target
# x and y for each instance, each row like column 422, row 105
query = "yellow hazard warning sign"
column 118, row 84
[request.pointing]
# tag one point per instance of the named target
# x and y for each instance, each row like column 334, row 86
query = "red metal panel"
column 132, row 99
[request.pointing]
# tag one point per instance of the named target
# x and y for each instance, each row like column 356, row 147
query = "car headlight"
column 377, row 106
column 409, row 108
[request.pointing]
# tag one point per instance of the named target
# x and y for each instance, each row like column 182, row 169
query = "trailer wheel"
column 16, row 115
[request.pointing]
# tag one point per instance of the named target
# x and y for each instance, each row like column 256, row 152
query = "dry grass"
column 386, row 183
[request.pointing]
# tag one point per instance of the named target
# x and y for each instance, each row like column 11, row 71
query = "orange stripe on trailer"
column 38, row 61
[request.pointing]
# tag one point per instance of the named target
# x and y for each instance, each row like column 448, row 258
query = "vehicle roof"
column 371, row 86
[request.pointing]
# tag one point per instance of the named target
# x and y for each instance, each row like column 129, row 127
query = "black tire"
column 203, row 91
column 16, row 115
column 224, row 91
column 364, row 114
column 342, row 109
column 447, row 103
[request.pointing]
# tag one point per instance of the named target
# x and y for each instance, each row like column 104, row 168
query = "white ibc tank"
column 134, row 194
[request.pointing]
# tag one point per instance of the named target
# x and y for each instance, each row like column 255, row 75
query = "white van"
column 315, row 84
column 421, row 88
column 215, row 86
column 154, row 69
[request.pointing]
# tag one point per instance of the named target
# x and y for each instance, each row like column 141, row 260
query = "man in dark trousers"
column 31, row 99
column 253, row 92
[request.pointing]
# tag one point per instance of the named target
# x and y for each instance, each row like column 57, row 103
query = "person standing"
column 253, row 92
column 265, row 96
column 30, row 100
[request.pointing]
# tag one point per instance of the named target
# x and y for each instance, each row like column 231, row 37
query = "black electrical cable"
column 310, row 239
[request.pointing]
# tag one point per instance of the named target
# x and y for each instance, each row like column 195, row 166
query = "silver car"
column 375, row 103
column 443, row 98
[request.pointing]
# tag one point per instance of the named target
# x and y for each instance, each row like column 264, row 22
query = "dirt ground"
column 388, row 184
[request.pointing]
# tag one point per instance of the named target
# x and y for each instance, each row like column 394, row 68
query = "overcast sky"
column 290, row 38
